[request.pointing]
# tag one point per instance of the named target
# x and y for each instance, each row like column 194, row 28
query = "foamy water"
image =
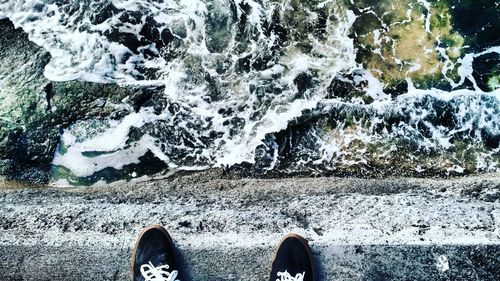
column 251, row 82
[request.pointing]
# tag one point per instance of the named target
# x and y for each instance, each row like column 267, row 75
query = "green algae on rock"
column 410, row 39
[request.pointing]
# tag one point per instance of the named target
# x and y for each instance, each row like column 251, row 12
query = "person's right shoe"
column 292, row 260
column 153, row 258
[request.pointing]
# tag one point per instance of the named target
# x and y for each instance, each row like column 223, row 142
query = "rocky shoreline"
column 373, row 90
column 34, row 110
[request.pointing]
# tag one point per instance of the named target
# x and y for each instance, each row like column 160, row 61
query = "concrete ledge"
column 348, row 262
column 391, row 229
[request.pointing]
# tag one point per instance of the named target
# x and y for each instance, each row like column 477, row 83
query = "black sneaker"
column 153, row 258
column 292, row 260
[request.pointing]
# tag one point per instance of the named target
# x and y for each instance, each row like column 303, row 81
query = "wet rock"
column 394, row 52
column 104, row 13
column 487, row 71
column 33, row 110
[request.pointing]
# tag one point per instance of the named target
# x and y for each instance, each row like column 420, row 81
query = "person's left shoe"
column 153, row 258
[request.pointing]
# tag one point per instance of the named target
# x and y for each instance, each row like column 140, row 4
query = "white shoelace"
column 160, row 273
column 285, row 276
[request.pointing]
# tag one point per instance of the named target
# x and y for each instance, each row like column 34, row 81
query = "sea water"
column 284, row 86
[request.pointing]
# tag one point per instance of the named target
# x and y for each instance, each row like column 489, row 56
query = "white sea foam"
column 341, row 147
column 110, row 144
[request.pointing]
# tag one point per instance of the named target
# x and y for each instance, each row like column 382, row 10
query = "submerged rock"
column 398, row 40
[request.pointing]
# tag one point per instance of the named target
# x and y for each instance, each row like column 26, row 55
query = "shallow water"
column 316, row 87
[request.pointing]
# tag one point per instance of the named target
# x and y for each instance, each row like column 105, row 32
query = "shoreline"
column 239, row 174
